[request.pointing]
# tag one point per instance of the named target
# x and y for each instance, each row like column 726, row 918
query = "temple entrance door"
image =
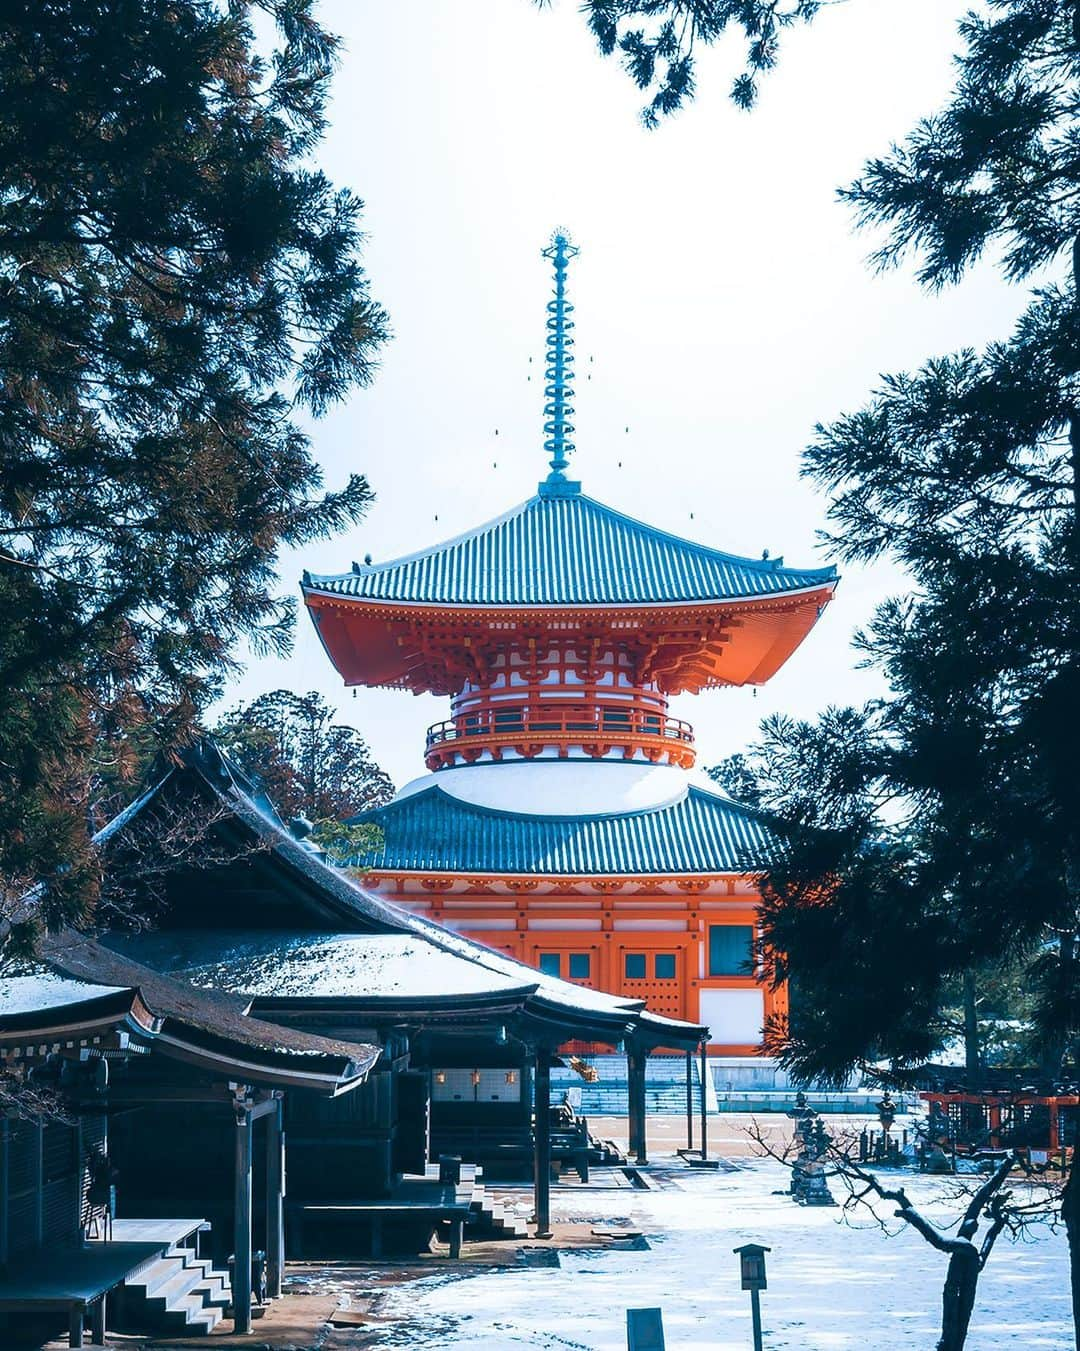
column 656, row 974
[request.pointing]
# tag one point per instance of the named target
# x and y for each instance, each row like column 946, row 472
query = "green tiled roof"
column 700, row 832
column 568, row 549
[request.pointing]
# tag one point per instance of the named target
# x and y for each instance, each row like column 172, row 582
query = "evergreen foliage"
column 307, row 764
column 656, row 41
column 177, row 287
column 938, row 831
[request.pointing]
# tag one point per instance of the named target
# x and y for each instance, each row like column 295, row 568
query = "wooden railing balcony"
column 526, row 732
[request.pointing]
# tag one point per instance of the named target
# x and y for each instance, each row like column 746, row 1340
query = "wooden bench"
column 419, row 1199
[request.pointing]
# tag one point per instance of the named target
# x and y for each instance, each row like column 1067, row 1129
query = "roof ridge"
column 690, row 789
column 759, row 564
column 441, row 546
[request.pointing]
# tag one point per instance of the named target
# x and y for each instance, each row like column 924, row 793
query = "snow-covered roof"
column 558, row 787
column 80, row 992
column 46, row 989
column 209, row 1024
column 270, row 966
column 578, row 1010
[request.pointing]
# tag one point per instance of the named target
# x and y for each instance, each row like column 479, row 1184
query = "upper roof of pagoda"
column 684, row 615
column 562, row 548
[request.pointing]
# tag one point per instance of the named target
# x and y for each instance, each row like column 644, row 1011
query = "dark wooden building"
column 94, row 1070
column 467, row 1035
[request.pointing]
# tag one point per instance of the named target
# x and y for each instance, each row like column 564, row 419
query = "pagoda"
column 558, row 821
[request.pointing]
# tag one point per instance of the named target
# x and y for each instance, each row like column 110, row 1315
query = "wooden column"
column 275, row 1202
column 4, row 1202
column 78, row 1198
column 635, row 1064
column 689, row 1100
column 631, row 1115
column 241, row 1277
column 97, row 1320
column 704, row 1104
column 39, row 1184
column 542, row 1143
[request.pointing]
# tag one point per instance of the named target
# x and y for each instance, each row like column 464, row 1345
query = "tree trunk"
column 1070, row 1213
column 1074, row 413
column 972, row 1049
column 958, row 1298
column 1070, row 1200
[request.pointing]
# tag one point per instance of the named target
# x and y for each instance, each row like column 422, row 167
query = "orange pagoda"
column 558, row 820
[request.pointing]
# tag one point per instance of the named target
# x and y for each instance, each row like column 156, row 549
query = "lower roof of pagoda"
column 565, row 818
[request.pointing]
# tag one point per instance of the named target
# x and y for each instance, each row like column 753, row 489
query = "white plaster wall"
column 733, row 1017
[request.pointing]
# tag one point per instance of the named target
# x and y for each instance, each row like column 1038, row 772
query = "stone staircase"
column 487, row 1220
column 176, row 1294
column 665, row 1086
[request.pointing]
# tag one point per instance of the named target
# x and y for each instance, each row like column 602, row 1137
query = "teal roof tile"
column 700, row 832
column 568, row 550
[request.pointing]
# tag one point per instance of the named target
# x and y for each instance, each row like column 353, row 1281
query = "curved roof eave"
column 577, row 552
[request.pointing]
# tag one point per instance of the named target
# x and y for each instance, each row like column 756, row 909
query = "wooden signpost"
column 752, row 1271
column 644, row 1330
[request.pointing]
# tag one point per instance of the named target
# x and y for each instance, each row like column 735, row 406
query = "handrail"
column 511, row 723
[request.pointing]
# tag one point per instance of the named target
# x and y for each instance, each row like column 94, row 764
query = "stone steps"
column 487, row 1220
column 177, row 1294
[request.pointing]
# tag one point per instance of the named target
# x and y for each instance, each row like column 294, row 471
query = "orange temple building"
column 558, row 821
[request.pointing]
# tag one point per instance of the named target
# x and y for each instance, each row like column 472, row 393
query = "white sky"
column 721, row 292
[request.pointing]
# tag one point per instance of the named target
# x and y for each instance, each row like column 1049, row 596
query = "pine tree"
column 939, row 829
column 307, row 764
column 177, row 286
column 968, row 472
column 656, row 41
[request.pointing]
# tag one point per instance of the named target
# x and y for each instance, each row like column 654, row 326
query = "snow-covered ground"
column 830, row 1287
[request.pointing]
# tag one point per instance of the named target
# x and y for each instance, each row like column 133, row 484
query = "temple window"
column 580, row 966
column 635, row 966
column 550, row 963
column 731, row 949
column 664, row 966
